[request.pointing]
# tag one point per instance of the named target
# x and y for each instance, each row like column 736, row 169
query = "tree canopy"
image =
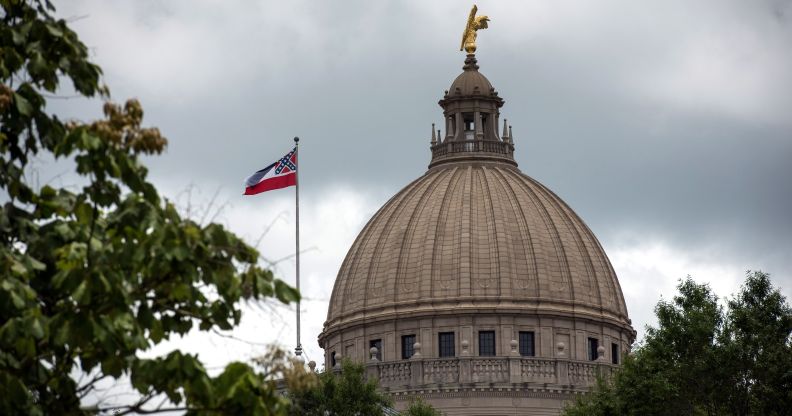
column 91, row 276
column 702, row 359
column 348, row 392
column 418, row 407
column 343, row 393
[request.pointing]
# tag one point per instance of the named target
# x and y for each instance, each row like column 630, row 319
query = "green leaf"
column 37, row 64
column 286, row 293
column 36, row 329
column 180, row 292
column 62, row 333
column 79, row 293
column 18, row 302
column 22, row 105
column 37, row 265
column 18, row 267
column 25, row 347
column 156, row 331
column 18, row 36
column 54, row 30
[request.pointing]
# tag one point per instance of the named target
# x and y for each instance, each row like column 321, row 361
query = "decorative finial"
column 505, row 135
column 439, row 137
column 511, row 137
column 416, row 351
column 474, row 23
column 434, row 138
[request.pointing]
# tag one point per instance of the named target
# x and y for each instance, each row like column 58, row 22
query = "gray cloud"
column 669, row 121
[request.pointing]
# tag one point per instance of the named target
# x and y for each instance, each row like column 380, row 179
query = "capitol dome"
column 475, row 287
column 473, row 236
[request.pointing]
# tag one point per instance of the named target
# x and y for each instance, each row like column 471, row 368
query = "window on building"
column 408, row 346
column 615, row 353
column 487, row 343
column 593, row 344
column 446, row 344
column 527, row 343
column 376, row 343
column 332, row 359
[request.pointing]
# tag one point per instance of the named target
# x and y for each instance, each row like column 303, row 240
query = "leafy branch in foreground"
column 91, row 277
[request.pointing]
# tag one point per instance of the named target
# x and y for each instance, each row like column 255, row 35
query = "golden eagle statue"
column 474, row 23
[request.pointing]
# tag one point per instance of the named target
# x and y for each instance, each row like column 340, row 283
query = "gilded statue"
column 474, row 23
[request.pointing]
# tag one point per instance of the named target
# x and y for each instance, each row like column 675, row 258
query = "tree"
column 91, row 277
column 347, row 392
column 758, row 349
column 418, row 407
column 702, row 360
column 343, row 393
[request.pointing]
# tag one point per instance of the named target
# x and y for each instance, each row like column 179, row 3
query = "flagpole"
column 297, row 350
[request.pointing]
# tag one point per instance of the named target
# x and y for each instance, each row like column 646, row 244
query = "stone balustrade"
column 417, row 372
column 539, row 370
column 487, row 146
column 395, row 373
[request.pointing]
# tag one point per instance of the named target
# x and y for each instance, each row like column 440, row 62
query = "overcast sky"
column 666, row 125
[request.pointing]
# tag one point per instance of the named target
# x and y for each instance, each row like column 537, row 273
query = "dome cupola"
column 471, row 109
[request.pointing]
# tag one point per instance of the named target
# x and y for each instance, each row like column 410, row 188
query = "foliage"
column 344, row 393
column 702, row 360
column 91, row 276
column 418, row 407
column 757, row 346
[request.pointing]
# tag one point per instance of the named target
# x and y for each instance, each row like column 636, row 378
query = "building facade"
column 475, row 287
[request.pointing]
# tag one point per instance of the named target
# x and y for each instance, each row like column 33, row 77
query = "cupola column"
column 494, row 126
column 459, row 129
column 479, row 126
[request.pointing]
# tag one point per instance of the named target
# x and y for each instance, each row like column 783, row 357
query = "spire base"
column 471, row 64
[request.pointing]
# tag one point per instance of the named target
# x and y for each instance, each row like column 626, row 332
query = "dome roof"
column 475, row 236
column 470, row 81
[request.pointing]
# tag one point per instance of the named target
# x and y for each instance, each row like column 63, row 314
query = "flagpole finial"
column 296, row 139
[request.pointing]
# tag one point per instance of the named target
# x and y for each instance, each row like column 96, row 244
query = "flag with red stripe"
column 278, row 175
